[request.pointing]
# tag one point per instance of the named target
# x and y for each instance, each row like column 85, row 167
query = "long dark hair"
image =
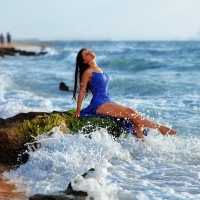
column 80, row 68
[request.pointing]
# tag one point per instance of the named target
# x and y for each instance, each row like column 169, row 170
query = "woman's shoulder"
column 87, row 74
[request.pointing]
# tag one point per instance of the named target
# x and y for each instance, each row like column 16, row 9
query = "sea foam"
column 124, row 168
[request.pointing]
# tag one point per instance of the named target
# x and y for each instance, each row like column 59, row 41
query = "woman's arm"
column 85, row 78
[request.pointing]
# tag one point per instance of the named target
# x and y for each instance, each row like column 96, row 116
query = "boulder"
column 77, row 195
column 23, row 128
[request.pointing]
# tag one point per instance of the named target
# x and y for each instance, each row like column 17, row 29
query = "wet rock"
column 24, row 128
column 54, row 197
column 77, row 195
column 64, row 87
column 16, row 131
column 12, row 52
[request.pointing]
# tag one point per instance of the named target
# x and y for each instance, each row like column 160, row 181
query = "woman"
column 93, row 79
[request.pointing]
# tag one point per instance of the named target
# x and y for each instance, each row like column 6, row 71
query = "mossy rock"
column 40, row 124
column 44, row 123
column 24, row 128
column 86, row 125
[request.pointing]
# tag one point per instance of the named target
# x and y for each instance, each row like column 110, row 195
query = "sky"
column 101, row 19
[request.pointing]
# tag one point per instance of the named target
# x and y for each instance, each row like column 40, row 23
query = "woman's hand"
column 76, row 114
column 87, row 75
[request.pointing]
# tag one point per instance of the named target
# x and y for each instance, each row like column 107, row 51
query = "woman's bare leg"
column 119, row 111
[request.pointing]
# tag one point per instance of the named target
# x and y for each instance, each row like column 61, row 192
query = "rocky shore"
column 5, row 51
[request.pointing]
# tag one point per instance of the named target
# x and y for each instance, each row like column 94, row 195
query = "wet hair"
column 79, row 70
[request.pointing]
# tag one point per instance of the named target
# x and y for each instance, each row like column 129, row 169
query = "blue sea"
column 159, row 79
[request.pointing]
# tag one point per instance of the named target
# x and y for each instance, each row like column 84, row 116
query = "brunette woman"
column 92, row 79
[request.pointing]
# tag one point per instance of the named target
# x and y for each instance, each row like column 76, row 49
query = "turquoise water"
column 161, row 80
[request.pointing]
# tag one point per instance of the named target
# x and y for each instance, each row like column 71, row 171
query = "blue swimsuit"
column 99, row 87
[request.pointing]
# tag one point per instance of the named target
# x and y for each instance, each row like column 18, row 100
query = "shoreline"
column 8, row 190
column 24, row 44
column 23, row 48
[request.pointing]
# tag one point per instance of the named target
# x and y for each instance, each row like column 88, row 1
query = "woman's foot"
column 139, row 133
column 165, row 130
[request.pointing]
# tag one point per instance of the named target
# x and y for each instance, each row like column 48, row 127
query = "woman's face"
column 88, row 56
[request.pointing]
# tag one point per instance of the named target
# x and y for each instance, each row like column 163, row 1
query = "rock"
column 70, row 191
column 16, row 131
column 64, row 87
column 25, row 53
column 53, row 197
column 23, row 128
column 42, row 53
column 77, row 195
column 13, row 52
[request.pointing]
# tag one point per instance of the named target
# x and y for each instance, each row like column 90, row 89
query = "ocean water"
column 161, row 80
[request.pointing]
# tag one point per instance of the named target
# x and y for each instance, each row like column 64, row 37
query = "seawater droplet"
column 195, row 108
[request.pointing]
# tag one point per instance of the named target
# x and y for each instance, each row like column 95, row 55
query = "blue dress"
column 99, row 88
